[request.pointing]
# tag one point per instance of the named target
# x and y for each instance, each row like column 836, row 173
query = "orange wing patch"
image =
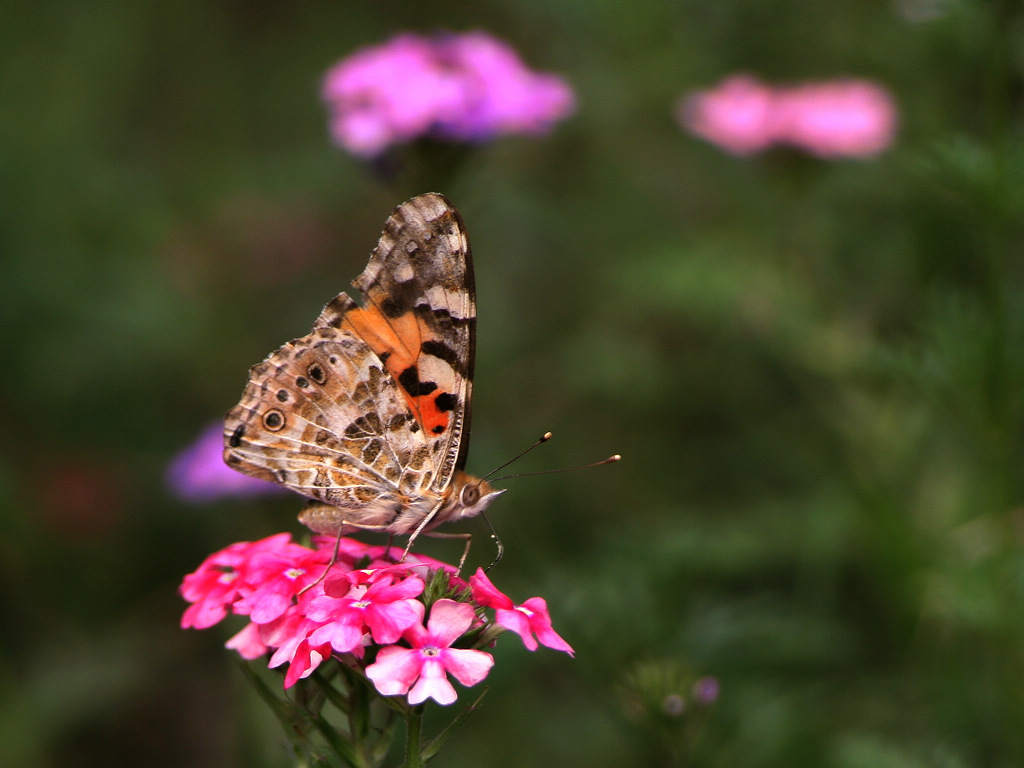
column 400, row 342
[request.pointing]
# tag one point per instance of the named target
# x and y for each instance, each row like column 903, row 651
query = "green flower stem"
column 413, row 724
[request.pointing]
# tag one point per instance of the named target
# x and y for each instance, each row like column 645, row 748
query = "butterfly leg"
column 467, row 537
column 427, row 518
column 341, row 525
column 333, row 560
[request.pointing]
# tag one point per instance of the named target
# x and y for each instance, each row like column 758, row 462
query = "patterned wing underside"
column 369, row 413
column 420, row 319
column 321, row 416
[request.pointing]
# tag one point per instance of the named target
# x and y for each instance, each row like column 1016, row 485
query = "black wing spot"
column 442, row 351
column 236, row 437
column 446, row 401
column 438, row 429
column 410, row 381
column 302, row 382
column 316, row 373
column 282, row 395
column 273, row 420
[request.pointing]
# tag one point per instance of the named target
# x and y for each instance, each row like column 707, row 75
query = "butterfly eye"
column 470, row 495
column 316, row 373
column 273, row 420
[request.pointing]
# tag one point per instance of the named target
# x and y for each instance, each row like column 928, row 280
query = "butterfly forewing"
column 420, row 319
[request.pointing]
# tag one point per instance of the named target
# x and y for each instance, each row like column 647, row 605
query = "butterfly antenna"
column 543, row 439
column 609, row 460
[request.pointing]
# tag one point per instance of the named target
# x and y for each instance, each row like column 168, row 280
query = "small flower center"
column 227, row 577
column 294, row 573
column 524, row 610
column 360, row 603
column 430, row 650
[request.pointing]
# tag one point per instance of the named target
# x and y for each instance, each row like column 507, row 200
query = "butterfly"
column 368, row 414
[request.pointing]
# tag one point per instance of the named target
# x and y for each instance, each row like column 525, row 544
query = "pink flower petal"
column 388, row 622
column 433, row 684
column 395, row 670
column 247, row 642
column 448, row 621
column 516, row 621
column 468, row 666
column 342, row 635
column 485, row 593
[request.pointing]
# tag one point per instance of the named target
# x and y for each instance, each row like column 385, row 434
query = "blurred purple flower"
column 706, row 690
column 199, row 474
column 841, row 118
column 467, row 87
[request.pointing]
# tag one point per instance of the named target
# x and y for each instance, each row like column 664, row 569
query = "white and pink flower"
column 422, row 670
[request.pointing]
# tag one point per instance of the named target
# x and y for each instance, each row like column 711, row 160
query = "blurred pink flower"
column 846, row 118
column 842, row 118
column 458, row 87
column 199, row 474
column 737, row 115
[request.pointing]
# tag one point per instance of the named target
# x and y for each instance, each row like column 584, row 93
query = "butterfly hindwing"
column 323, row 417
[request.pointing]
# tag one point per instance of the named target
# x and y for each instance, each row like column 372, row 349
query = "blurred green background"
column 813, row 370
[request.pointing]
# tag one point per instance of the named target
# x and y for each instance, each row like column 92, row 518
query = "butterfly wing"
column 322, row 417
column 368, row 413
column 420, row 319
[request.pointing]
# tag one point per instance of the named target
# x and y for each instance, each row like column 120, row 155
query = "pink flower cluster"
column 371, row 617
column 842, row 118
column 467, row 87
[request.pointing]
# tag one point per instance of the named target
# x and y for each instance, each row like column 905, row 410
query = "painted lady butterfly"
column 368, row 415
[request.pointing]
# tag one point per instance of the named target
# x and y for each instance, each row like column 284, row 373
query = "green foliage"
column 813, row 370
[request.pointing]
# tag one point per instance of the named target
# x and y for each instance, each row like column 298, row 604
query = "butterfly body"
column 368, row 414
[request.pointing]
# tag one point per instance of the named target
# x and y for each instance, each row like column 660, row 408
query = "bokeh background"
column 812, row 368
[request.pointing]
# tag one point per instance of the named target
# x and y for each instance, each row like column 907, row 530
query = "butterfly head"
column 468, row 497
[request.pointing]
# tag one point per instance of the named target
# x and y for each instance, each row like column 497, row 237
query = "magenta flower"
column 303, row 617
column 199, row 474
column 467, row 87
column 843, row 118
column 311, row 613
column 526, row 620
column 363, row 601
column 422, row 670
column 289, row 636
column 221, row 580
column 278, row 578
